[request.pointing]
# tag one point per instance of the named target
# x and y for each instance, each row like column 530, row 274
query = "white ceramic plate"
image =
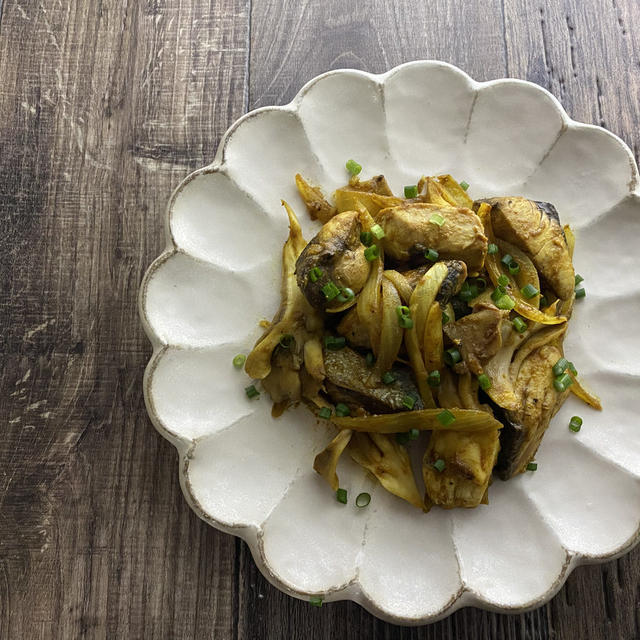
column 251, row 475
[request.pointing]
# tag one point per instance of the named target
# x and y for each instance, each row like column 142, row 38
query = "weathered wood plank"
column 104, row 108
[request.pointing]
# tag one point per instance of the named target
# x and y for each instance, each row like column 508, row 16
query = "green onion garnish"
column 251, row 391
column 404, row 317
column 451, row 356
column 560, row 367
column 505, row 302
column 330, row 291
column 445, row 317
column 464, row 185
column 408, row 402
column 543, row 302
column 578, row 279
column 414, row 434
column 507, row 259
column 346, row 295
column 468, row 291
column 239, row 360
column 341, row 496
column 334, row 343
column 436, row 218
column 433, row 379
column 529, row 291
column 362, row 500
column 532, row 466
column 519, row 325
column 353, row 167
column 580, row 292
column 481, row 284
column 372, row 252
column 315, row 274
column 562, row 383
column 445, row 418
column 377, row 231
column 503, row 280
column 514, row 268
column 439, row 465
column 286, row 340
column 411, row 191
column 575, row 424
column 431, row 255
column 324, row 413
column 369, row 359
column 388, row 377
column 498, row 293
column 315, row 602
column 492, row 249
column 342, row 411
column 484, row 382
column 366, row 237
column 572, row 369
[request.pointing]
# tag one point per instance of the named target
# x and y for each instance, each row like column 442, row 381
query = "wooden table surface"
column 105, row 105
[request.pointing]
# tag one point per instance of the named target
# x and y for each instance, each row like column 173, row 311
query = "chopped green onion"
column 433, row 379
column 529, row 291
column 445, row 418
column 562, row 383
column 505, row 302
column 411, row 191
column 498, row 293
column 315, row 274
column 439, row 465
column 366, row 237
column 464, row 185
column 575, row 424
column 481, row 284
column 414, row 434
column 286, row 340
column 404, row 317
column 543, row 302
column 572, row 369
column 445, row 317
column 251, row 391
column 342, row 411
column 560, row 367
column 353, row 167
column 315, row 602
column 503, row 280
column 580, row 292
column 436, row 218
column 372, row 252
column 346, row 295
column 369, row 359
column 330, row 291
column 377, row 231
column 362, row 500
column 388, row 377
column 519, row 325
column 334, row 343
column 341, row 496
column 532, row 466
column 469, row 293
column 514, row 268
column 431, row 254
column 408, row 402
column 451, row 356
column 507, row 259
column 324, row 413
column 578, row 279
column 484, row 382
column 492, row 249
column 239, row 360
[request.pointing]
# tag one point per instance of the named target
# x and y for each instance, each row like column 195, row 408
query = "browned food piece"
column 337, row 251
column 410, row 231
column 478, row 335
column 317, row 205
column 356, row 332
column 524, row 427
column 377, row 184
column 535, row 228
column 351, row 381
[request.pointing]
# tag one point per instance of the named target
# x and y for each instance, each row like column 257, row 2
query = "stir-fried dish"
column 425, row 314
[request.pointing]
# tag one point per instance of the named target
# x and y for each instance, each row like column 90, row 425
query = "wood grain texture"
column 105, row 105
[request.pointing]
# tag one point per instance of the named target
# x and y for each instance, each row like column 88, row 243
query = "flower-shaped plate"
column 251, row 475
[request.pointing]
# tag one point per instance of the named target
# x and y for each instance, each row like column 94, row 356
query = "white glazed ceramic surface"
column 251, row 475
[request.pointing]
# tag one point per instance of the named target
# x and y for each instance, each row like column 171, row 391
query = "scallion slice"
column 436, row 218
column 498, row 293
column 484, row 382
column 452, row 356
column 529, row 291
column 366, row 237
column 330, row 290
column 575, row 424
column 433, row 379
column 562, row 383
column 492, row 249
column 464, row 185
column 342, row 411
column 286, row 340
column 445, row 317
column 324, row 413
column 346, row 295
column 404, row 317
column 481, row 284
column 408, row 402
column 377, row 231
column 431, row 255
column 580, row 292
column 315, row 602
column 315, row 274
column 519, row 324
column 514, row 268
column 578, row 279
column 439, row 465
column 239, row 360
column 532, row 466
column 388, row 377
column 372, row 252
column 506, row 302
column 411, row 191
column 503, row 280
column 445, row 418
column 363, row 499
column 543, row 302
column 341, row 496
column 251, row 391
column 507, row 259
column 335, row 343
column 353, row 167
column 560, row 367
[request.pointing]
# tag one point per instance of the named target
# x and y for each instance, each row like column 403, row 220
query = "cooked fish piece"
column 410, row 231
column 337, row 252
column 466, row 463
column 351, row 381
column 524, row 427
column 456, row 275
column 535, row 228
